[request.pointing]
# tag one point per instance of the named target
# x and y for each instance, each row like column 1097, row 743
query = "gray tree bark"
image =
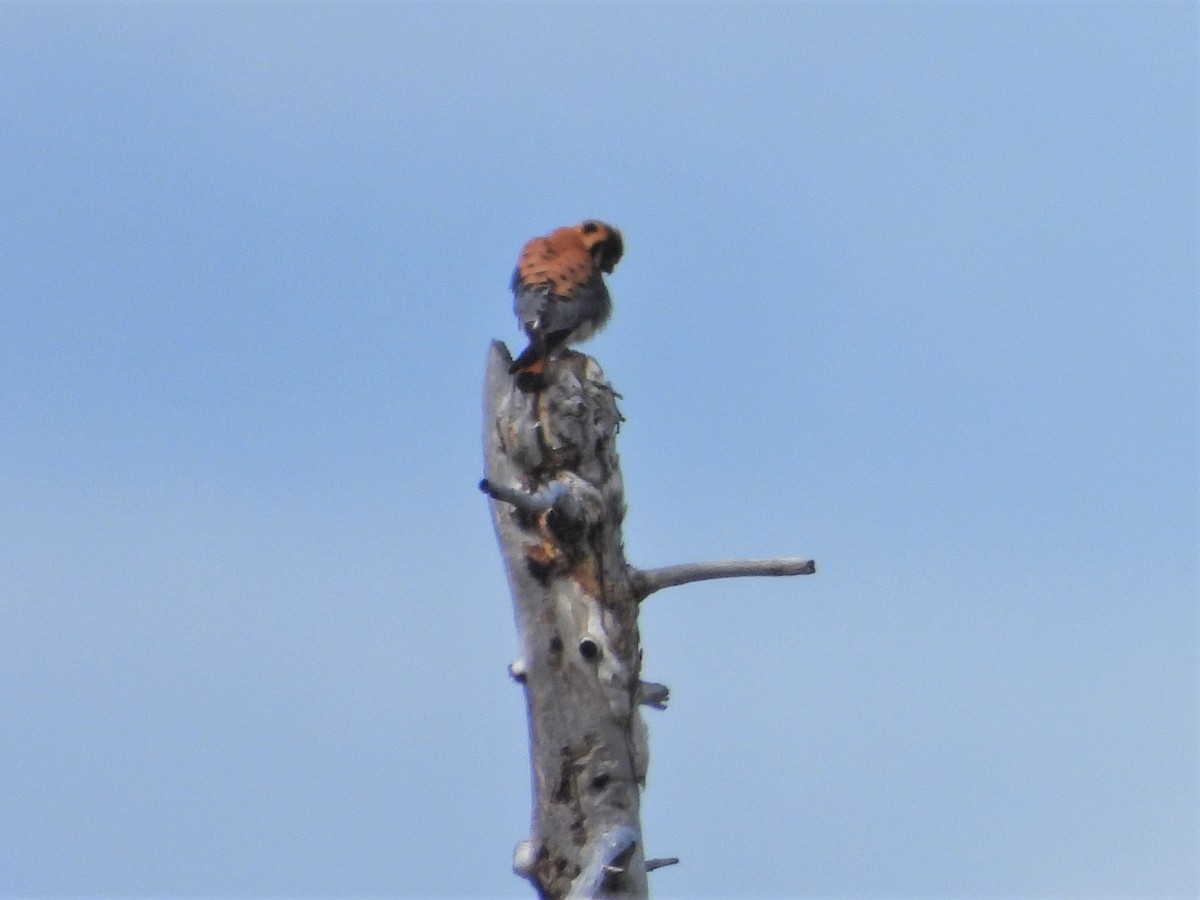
column 557, row 502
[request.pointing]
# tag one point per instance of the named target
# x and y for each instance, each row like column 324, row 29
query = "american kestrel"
column 559, row 292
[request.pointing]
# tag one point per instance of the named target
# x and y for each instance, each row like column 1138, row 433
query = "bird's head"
column 603, row 242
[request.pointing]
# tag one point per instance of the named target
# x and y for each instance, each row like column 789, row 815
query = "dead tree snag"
column 557, row 504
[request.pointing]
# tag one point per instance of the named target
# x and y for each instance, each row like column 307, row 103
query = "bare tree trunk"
column 557, row 505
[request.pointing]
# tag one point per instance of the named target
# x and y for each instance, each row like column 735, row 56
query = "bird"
column 559, row 295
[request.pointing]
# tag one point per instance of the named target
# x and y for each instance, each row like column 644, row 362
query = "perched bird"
column 559, row 293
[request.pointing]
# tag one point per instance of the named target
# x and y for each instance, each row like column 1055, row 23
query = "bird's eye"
column 590, row 227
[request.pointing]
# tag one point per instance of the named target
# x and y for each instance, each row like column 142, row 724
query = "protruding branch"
column 568, row 508
column 523, row 859
column 647, row 582
column 604, row 861
column 660, row 862
column 653, row 695
column 534, row 503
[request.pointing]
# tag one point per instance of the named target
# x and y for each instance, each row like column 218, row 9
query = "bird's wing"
column 552, row 317
column 529, row 304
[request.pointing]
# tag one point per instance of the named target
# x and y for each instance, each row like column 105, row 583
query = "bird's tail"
column 532, row 360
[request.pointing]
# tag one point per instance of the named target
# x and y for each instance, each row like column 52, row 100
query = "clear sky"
column 910, row 288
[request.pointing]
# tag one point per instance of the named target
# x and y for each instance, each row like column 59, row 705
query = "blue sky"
column 910, row 288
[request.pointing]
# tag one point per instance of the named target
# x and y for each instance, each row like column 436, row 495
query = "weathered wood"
column 557, row 502
column 576, row 616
